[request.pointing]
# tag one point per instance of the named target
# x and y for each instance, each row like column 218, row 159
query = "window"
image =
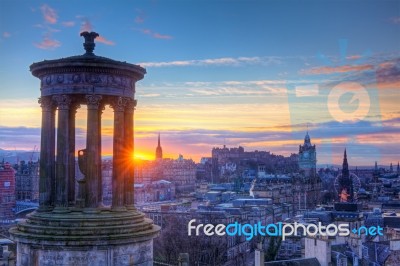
column 7, row 184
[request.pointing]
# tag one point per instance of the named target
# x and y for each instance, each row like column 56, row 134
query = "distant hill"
column 13, row 156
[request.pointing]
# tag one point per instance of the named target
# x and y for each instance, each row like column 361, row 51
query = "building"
column 347, row 184
column 308, row 157
column 307, row 185
column 155, row 191
column 7, row 192
column 27, row 181
column 181, row 172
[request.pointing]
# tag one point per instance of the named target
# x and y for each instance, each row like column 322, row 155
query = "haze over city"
column 256, row 74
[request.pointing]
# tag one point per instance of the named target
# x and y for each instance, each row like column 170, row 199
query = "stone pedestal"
column 105, row 238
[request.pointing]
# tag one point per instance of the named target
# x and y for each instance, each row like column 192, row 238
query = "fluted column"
column 100, row 190
column 62, row 163
column 118, row 155
column 71, row 160
column 93, row 152
column 129, row 149
column 46, row 170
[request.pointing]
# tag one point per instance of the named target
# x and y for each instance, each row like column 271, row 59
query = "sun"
column 142, row 156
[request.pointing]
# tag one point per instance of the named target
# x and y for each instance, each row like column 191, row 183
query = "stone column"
column 46, row 170
column 100, row 190
column 62, row 161
column 118, row 155
column 93, row 152
column 129, row 149
column 71, row 177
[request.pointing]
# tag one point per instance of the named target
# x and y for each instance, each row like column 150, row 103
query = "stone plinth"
column 78, row 238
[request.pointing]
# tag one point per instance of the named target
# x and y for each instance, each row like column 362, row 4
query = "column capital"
column 75, row 106
column 119, row 104
column 46, row 103
column 93, row 101
column 130, row 106
column 63, row 101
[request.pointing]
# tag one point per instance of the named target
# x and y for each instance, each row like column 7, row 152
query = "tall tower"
column 308, row 157
column 159, row 149
column 309, row 186
column 346, row 192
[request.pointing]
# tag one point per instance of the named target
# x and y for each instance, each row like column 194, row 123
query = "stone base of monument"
column 80, row 238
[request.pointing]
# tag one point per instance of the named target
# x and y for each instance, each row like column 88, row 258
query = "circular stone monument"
column 78, row 230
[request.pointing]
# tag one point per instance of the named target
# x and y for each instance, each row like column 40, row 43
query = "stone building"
column 160, row 190
column 27, row 181
column 182, row 172
column 307, row 185
column 7, row 192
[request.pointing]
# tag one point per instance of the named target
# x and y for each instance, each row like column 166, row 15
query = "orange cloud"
column 388, row 75
column 68, row 23
column 104, row 40
column 338, row 69
column 156, row 34
column 49, row 14
column 48, row 43
column 353, row 57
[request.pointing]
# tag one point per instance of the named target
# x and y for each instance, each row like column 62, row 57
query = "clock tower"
column 308, row 157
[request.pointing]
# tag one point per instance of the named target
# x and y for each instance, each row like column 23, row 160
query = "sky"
column 258, row 74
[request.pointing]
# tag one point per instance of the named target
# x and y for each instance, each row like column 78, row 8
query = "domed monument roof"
column 87, row 73
column 87, row 60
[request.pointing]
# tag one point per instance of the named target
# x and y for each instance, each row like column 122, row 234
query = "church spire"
column 345, row 167
column 159, row 149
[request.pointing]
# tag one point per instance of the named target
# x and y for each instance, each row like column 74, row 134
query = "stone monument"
column 69, row 230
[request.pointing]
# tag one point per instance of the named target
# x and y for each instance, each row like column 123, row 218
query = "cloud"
column 223, row 61
column 395, row 20
column 337, row 69
column 353, row 57
column 47, row 43
column 49, row 14
column 6, row 34
column 86, row 25
column 139, row 19
column 155, row 35
column 101, row 39
column 388, row 75
column 150, row 95
column 68, row 23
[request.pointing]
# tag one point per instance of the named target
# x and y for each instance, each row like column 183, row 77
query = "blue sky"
column 234, row 72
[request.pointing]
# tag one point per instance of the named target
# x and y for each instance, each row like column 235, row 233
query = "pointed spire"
column 159, row 149
column 345, row 167
column 391, row 167
column 398, row 167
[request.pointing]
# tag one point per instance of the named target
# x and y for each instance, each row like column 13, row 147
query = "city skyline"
column 219, row 73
